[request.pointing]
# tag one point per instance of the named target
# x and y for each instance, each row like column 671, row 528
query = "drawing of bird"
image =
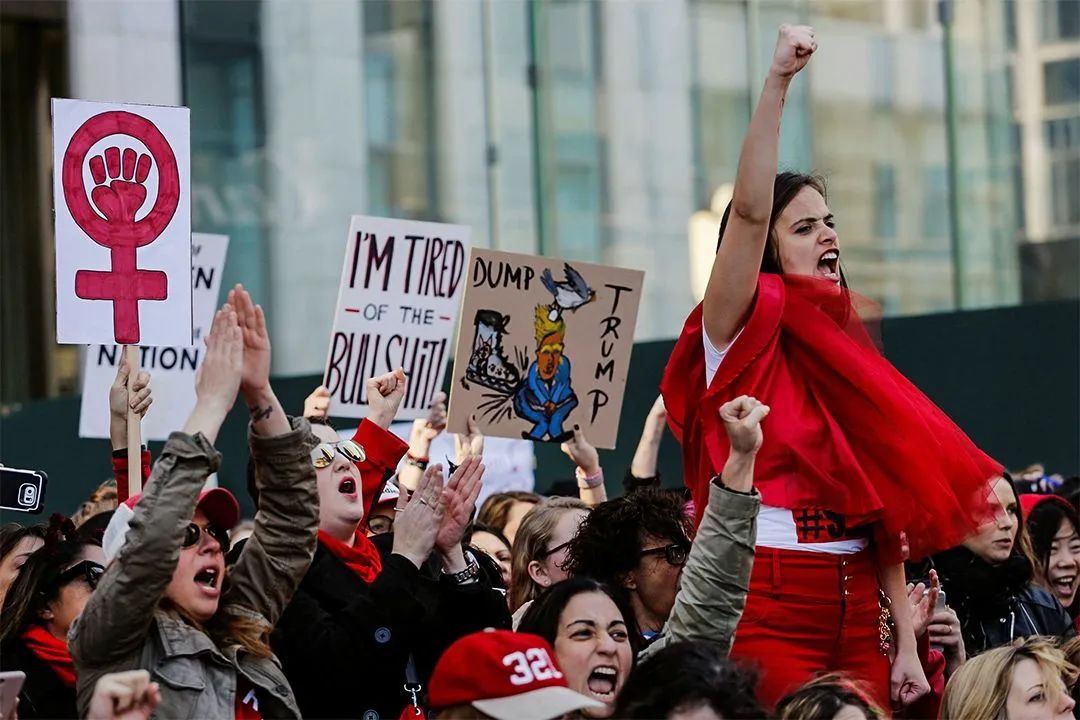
column 571, row 294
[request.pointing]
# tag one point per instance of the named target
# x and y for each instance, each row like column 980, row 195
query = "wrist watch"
column 471, row 571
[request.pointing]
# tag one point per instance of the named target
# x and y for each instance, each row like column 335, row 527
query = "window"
column 935, row 205
column 885, row 202
column 1062, row 139
column 1061, row 82
column 1060, row 19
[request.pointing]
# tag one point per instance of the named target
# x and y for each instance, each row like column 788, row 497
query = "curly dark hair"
column 685, row 676
column 608, row 545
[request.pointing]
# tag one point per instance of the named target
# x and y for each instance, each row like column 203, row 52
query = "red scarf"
column 53, row 651
column 362, row 558
column 847, row 431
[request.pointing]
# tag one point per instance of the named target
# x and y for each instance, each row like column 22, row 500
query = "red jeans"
column 809, row 613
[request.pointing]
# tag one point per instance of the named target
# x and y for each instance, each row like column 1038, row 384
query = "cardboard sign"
column 397, row 305
column 544, row 345
column 121, row 190
column 172, row 369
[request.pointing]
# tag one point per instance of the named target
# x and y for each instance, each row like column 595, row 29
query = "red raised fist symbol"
column 119, row 201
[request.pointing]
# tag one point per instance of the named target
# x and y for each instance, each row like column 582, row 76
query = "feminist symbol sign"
column 125, row 154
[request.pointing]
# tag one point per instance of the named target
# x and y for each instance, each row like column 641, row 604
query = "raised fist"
column 794, row 46
column 125, row 194
column 742, row 420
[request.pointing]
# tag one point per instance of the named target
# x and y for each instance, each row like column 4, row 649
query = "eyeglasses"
column 675, row 554
column 193, row 532
column 323, row 453
column 87, row 570
column 557, row 548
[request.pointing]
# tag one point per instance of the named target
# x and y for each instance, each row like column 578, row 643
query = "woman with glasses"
column 638, row 545
column 373, row 614
column 166, row 603
column 52, row 590
column 539, row 550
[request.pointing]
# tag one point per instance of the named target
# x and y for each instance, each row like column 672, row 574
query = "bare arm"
column 590, row 476
column 733, row 280
column 648, row 450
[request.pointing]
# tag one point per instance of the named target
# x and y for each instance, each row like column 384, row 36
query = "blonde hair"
column 103, row 499
column 496, row 509
column 545, row 326
column 531, row 543
column 980, row 688
column 825, row 696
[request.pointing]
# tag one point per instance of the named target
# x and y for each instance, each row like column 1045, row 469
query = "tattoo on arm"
column 258, row 413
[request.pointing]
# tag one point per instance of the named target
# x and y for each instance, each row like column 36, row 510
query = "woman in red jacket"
column 857, row 455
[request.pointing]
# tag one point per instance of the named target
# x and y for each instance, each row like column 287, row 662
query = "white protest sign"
column 397, row 306
column 121, row 189
column 172, row 369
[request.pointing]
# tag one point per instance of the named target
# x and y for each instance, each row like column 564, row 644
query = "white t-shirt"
column 777, row 527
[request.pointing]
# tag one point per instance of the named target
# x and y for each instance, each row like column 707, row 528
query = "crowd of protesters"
column 840, row 549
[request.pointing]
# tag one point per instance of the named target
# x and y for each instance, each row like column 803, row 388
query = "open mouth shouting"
column 209, row 580
column 602, row 683
column 1065, row 586
column 829, row 265
column 347, row 487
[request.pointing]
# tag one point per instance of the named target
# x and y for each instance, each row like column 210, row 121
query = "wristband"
column 589, row 482
column 419, row 463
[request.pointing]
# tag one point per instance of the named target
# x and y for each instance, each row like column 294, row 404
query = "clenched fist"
column 794, row 46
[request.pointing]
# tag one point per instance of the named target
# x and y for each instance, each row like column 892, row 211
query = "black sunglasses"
column 676, row 553
column 193, row 532
column 557, row 548
column 87, row 570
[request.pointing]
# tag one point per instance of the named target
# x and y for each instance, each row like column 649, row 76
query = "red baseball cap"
column 506, row 675
column 217, row 504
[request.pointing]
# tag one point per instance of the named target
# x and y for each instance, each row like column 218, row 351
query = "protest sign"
column 123, row 223
column 397, row 305
column 172, row 369
column 544, row 345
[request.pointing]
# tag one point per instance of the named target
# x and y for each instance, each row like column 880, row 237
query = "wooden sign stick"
column 134, row 428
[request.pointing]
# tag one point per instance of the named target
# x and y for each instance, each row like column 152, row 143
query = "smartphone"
column 10, row 686
column 941, row 605
column 22, row 490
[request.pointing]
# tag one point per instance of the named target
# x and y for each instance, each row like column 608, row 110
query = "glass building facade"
column 596, row 130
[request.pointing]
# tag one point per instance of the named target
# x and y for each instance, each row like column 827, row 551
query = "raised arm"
column 589, row 474
column 118, row 614
column 716, row 578
column 733, row 280
column 643, row 466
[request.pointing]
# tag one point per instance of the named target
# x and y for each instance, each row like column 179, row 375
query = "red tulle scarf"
column 846, row 432
column 362, row 558
column 53, row 651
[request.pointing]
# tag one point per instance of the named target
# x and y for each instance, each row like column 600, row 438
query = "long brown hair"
column 786, row 186
column 531, row 542
column 496, row 509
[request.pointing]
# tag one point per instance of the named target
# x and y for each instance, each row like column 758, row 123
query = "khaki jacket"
column 716, row 578
column 124, row 627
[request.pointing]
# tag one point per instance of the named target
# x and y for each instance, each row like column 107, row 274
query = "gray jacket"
column 124, row 626
column 716, row 578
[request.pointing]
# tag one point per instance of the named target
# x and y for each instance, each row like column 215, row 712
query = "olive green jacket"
column 716, row 578
column 124, row 626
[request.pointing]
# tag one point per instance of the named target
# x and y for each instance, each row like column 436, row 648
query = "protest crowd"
column 840, row 549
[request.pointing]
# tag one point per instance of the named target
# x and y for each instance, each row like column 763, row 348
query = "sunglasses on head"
column 87, row 570
column 193, row 532
column 323, row 453
column 675, row 554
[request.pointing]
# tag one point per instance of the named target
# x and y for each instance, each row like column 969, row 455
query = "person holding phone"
column 856, row 454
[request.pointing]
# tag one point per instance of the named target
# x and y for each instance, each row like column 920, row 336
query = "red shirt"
column 846, row 430
column 247, row 702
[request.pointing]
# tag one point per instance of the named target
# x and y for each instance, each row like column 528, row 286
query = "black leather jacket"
column 998, row 603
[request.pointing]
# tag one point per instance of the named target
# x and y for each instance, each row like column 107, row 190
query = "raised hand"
column 471, row 442
column 317, row 404
column 124, row 696
column 923, row 603
column 582, row 452
column 794, row 46
column 419, row 516
column 120, row 400
column 435, row 422
column 464, row 488
column 742, row 420
column 219, row 375
column 384, row 396
column 252, row 322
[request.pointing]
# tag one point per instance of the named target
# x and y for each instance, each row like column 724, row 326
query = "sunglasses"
column 194, row 532
column 324, row 453
column 87, row 570
column 675, row 554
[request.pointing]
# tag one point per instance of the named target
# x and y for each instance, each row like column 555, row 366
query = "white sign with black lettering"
column 397, row 306
column 172, row 369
